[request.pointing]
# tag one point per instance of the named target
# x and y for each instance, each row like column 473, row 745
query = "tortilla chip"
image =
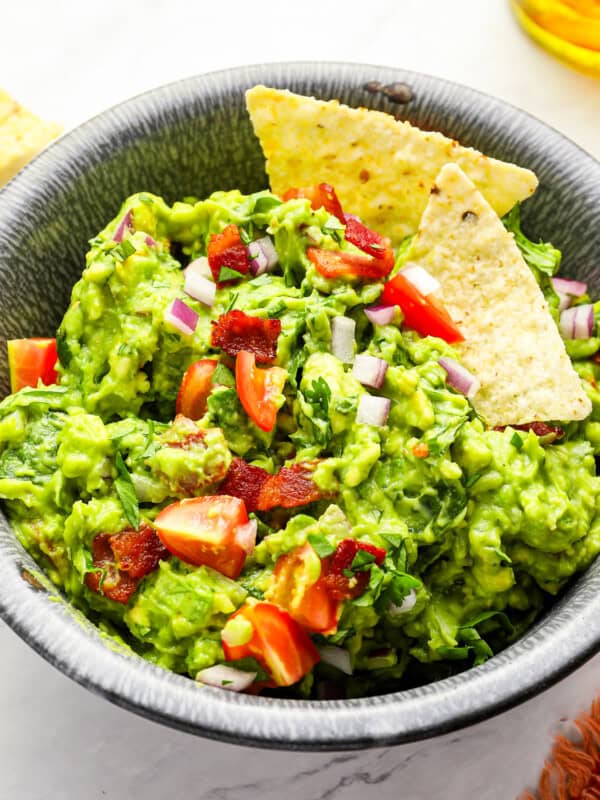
column 22, row 136
column 381, row 169
column 512, row 344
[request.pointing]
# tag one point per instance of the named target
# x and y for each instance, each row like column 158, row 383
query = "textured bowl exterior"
column 191, row 138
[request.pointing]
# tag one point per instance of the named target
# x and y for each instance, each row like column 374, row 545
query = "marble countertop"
column 70, row 60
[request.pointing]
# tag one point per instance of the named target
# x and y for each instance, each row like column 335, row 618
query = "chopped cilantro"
column 516, row 441
column 226, row 683
column 231, row 302
column 320, row 545
column 227, row 274
column 223, row 376
column 266, row 203
column 124, row 250
column 126, row 491
column 361, row 560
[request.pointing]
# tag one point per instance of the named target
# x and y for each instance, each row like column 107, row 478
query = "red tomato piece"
column 321, row 196
column 122, row 559
column 424, row 314
column 277, row 642
column 244, row 481
column 337, row 264
column 31, row 360
column 207, row 531
column 226, row 249
column 343, row 587
column 366, row 239
column 305, row 596
column 258, row 389
column 195, row 387
column 236, row 331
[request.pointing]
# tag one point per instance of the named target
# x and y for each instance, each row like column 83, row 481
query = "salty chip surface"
column 512, row 344
column 381, row 169
column 22, row 136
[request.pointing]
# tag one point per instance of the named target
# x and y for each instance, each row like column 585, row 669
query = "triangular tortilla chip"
column 511, row 342
column 381, row 169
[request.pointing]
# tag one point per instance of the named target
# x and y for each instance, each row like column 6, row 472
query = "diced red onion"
column 370, row 370
column 200, row 288
column 405, row 606
column 182, row 317
column 263, row 256
column 224, row 677
column 245, row 535
column 577, row 322
column 150, row 241
column 200, row 266
column 381, row 315
column 373, row 410
column 420, row 279
column 460, row 378
column 342, row 338
column 336, row 657
column 123, row 226
column 566, row 286
column 564, row 301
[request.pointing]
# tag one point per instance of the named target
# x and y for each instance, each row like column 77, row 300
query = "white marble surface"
column 69, row 60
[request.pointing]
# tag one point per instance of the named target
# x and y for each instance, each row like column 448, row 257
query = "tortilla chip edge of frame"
column 391, row 202
column 566, row 398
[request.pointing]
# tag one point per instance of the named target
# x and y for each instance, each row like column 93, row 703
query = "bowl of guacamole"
column 300, row 416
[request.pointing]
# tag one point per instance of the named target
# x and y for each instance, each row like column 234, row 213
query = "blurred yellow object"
column 22, row 136
column 569, row 29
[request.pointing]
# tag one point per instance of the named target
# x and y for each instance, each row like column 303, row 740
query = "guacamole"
column 427, row 539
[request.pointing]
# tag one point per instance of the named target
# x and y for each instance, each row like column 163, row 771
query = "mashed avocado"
column 480, row 527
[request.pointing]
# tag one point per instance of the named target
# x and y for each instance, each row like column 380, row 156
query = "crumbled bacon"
column 344, row 587
column 226, row 249
column 289, row 488
column 364, row 238
column 236, row 331
column 122, row 559
column 244, row 481
column 550, row 432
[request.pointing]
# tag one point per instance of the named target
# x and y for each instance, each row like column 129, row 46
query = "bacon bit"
column 124, row 558
column 540, row 429
column 339, row 586
column 237, row 331
column 321, row 196
column 421, row 450
column 365, row 239
column 226, row 249
column 244, row 481
column 289, row 488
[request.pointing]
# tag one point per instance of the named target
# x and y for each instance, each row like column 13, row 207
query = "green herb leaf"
column 126, row 492
column 227, row 274
column 347, row 573
column 62, row 348
column 400, row 587
column 226, row 683
column 223, row 376
column 516, row 441
column 231, row 302
column 124, row 250
column 151, row 447
column 320, row 545
column 266, row 203
column 362, row 560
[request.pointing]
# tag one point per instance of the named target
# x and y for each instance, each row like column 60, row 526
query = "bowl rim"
column 64, row 638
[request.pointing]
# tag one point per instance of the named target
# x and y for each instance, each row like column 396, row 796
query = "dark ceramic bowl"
column 194, row 137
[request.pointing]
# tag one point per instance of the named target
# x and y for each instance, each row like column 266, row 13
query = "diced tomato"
column 121, row 560
column 236, row 331
column 367, row 240
column 277, row 642
column 299, row 587
column 291, row 487
column 424, row 314
column 321, row 196
column 344, row 587
column 209, row 531
column 31, row 360
column 244, row 481
column 421, row 450
column 259, row 389
column 226, row 249
column 337, row 264
column 195, row 387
